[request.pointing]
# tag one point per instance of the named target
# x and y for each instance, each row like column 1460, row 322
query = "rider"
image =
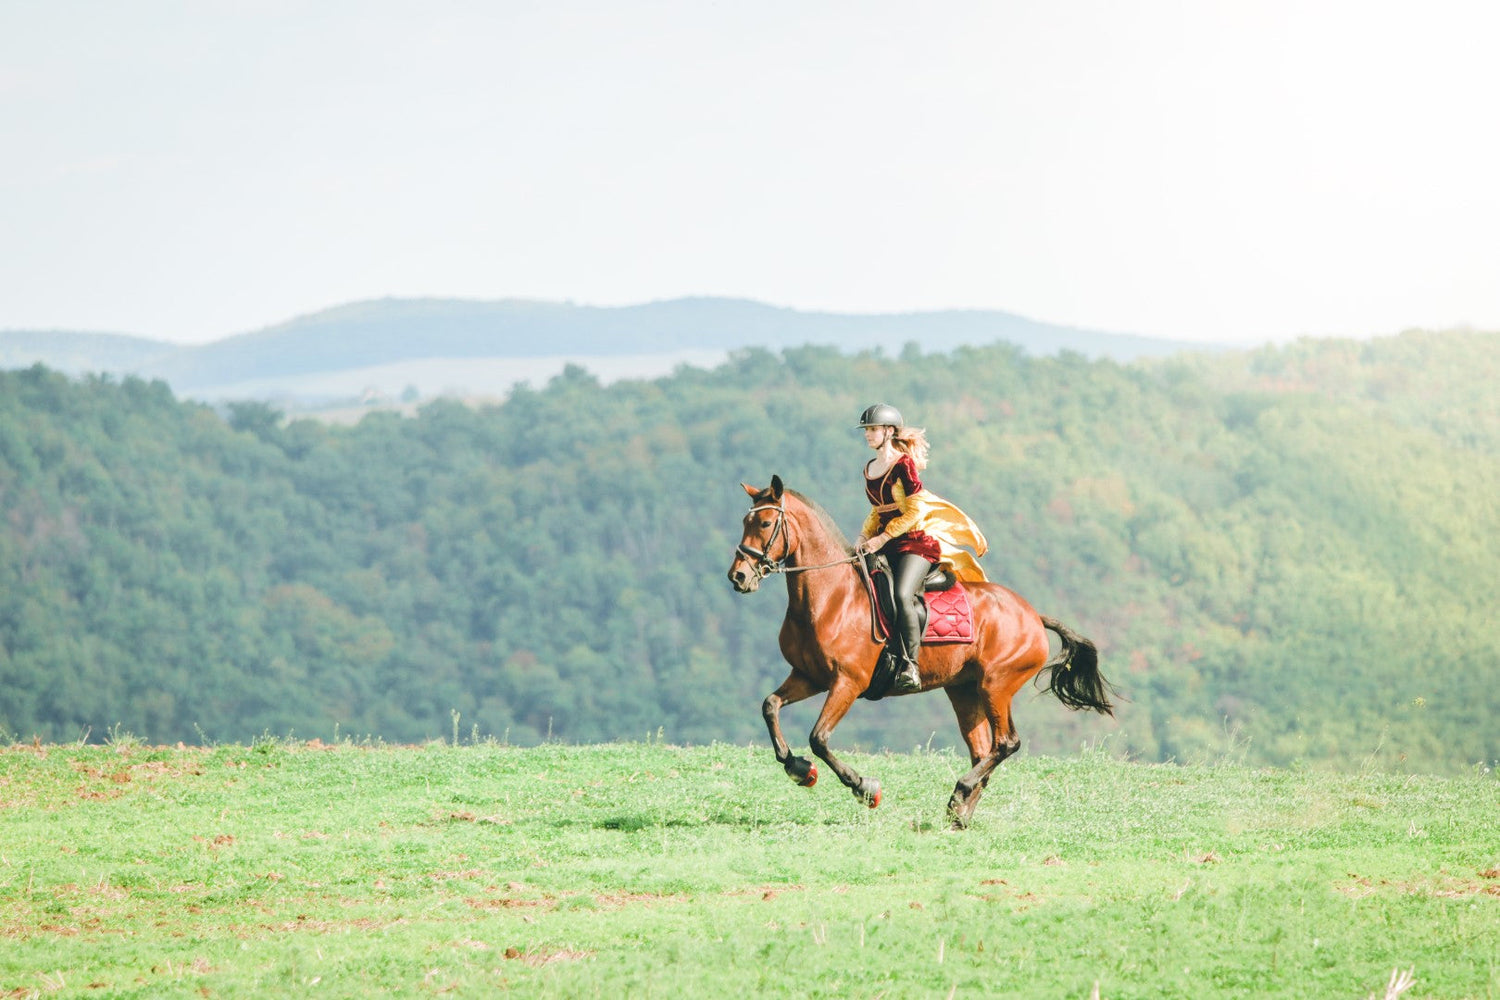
column 914, row 528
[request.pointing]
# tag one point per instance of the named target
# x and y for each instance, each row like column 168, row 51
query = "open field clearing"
column 289, row 868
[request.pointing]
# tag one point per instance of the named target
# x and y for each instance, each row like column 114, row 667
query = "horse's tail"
column 1075, row 672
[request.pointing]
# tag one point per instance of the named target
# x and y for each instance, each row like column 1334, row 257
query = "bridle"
column 761, row 563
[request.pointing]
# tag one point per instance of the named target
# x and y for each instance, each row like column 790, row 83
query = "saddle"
column 950, row 619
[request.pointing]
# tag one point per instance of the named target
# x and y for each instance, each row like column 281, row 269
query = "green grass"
column 656, row 871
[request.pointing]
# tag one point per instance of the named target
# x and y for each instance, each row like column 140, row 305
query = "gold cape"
column 955, row 533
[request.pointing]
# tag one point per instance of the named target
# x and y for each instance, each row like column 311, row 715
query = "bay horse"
column 826, row 638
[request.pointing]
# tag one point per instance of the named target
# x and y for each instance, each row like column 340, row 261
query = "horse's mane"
column 825, row 519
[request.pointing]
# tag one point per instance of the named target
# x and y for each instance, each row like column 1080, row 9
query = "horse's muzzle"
column 743, row 577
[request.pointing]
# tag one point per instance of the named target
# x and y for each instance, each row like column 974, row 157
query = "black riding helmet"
column 881, row 415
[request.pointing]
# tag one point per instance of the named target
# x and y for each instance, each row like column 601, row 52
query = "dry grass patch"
column 537, row 959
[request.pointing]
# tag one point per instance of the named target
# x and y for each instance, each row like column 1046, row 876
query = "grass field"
column 646, row 870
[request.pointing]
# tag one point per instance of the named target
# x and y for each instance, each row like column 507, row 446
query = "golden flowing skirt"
column 955, row 532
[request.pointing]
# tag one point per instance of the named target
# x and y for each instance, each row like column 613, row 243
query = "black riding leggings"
column 908, row 570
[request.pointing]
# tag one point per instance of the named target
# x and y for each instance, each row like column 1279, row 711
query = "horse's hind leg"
column 840, row 697
column 794, row 689
column 974, row 727
column 982, row 710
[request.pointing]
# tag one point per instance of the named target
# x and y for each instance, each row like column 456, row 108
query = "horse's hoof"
column 869, row 792
column 803, row 771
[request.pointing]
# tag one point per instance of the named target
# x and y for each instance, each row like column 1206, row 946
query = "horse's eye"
column 765, row 524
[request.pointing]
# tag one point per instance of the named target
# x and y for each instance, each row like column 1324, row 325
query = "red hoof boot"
column 803, row 771
column 870, row 792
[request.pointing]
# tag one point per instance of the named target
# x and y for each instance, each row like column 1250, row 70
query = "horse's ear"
column 750, row 490
column 776, row 487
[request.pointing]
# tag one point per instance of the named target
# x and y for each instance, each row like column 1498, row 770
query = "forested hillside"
column 1285, row 555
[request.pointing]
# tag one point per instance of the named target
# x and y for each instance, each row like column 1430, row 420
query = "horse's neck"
column 816, row 596
column 815, row 591
column 814, row 544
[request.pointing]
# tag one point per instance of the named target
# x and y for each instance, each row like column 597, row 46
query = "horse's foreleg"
column 794, row 689
column 840, row 697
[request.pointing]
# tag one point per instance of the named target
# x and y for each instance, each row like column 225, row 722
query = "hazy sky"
column 1202, row 169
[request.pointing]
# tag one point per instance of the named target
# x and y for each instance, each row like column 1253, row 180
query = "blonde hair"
column 911, row 441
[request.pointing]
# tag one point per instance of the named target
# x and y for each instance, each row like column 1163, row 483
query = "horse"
column 826, row 639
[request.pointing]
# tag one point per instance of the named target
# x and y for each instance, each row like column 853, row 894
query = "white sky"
column 1202, row 169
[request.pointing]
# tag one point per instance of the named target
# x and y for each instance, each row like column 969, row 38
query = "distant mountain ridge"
column 75, row 352
column 382, row 335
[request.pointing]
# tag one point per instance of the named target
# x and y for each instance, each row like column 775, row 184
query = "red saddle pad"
column 949, row 616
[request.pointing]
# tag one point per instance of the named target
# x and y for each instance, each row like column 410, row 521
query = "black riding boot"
column 908, row 572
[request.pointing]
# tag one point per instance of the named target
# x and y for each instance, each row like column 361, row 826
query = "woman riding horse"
column 821, row 639
column 912, row 528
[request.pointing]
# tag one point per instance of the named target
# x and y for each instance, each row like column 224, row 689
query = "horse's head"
column 764, row 545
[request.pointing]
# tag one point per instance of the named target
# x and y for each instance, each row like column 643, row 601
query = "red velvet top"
column 884, row 497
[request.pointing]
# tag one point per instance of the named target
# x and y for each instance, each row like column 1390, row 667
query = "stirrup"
column 909, row 679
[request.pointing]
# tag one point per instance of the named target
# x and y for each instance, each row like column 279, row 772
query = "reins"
column 803, row 569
